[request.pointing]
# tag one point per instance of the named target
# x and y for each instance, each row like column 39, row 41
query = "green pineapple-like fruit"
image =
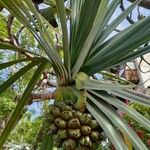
column 85, row 119
column 74, row 133
column 55, row 111
column 85, row 141
column 94, row 124
column 60, row 123
column 67, row 115
column 71, row 129
column 69, row 144
column 74, row 123
column 86, row 130
column 95, row 136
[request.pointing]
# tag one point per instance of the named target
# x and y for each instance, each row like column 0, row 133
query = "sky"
column 125, row 23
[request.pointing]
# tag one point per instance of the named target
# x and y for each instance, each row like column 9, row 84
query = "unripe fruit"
column 55, row 111
column 60, row 123
column 85, row 141
column 50, row 118
column 71, row 129
column 74, row 133
column 77, row 114
column 94, row 125
column 68, row 108
column 69, row 144
column 89, row 115
column 67, row 115
column 95, row 136
column 84, row 119
column 74, row 123
column 85, row 130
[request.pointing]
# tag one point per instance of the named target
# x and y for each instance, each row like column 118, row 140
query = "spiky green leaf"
column 17, row 75
column 107, row 126
column 118, row 122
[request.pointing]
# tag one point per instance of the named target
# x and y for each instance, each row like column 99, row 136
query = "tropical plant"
column 87, row 49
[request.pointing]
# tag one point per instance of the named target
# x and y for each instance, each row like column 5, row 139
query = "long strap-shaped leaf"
column 17, row 75
column 133, row 55
column 110, row 11
column 50, row 48
column 81, row 27
column 84, row 82
column 24, row 11
column 116, row 120
column 4, row 46
column 124, row 37
column 75, row 6
column 96, row 25
column 107, row 126
column 116, row 77
column 62, row 14
column 123, row 107
column 10, row 63
column 115, row 23
column 120, row 45
column 132, row 97
column 22, row 102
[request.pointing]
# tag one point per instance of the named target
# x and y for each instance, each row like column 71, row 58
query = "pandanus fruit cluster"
column 71, row 129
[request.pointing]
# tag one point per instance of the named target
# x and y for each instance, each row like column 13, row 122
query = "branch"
column 4, row 40
column 12, row 39
column 36, row 97
column 9, row 29
column 18, row 35
column 143, row 3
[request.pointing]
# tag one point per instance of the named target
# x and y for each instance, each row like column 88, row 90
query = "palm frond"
column 83, row 14
column 65, row 39
column 107, row 126
column 132, row 97
column 119, row 46
column 100, row 14
column 26, row 13
column 123, row 107
column 110, row 28
column 18, row 74
column 10, row 63
column 118, row 122
column 4, row 46
column 84, row 82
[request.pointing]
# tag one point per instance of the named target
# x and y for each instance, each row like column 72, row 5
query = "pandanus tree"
column 87, row 49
